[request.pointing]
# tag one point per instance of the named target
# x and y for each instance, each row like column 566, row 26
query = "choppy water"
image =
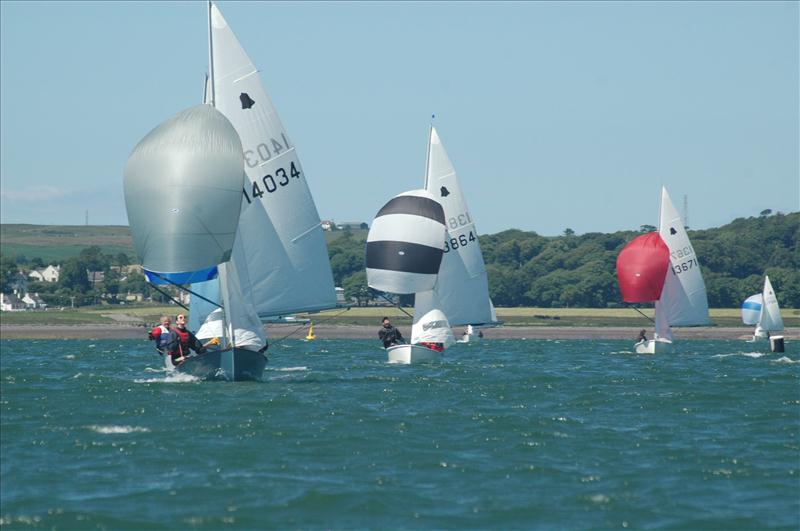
column 506, row 434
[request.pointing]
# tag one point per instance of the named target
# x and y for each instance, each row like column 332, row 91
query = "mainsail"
column 463, row 286
column 404, row 244
column 684, row 293
column 771, row 320
column 183, row 195
column 284, row 267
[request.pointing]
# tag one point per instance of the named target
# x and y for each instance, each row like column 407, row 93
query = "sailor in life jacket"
column 167, row 340
column 187, row 340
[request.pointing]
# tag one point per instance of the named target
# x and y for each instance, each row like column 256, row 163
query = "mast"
column 211, row 99
column 428, row 154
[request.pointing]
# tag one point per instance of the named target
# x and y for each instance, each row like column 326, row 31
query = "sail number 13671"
column 685, row 266
column 271, row 183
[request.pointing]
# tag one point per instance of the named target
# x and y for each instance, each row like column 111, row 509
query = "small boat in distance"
column 763, row 311
column 662, row 267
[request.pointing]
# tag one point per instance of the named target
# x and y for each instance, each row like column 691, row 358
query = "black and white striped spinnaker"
column 406, row 243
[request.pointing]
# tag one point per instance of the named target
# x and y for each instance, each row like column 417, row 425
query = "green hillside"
column 524, row 268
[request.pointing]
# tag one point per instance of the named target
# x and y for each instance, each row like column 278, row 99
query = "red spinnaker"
column 642, row 268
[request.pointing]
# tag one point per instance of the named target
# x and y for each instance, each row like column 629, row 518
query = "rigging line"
column 187, row 290
column 383, row 295
column 169, row 297
column 303, row 326
column 643, row 314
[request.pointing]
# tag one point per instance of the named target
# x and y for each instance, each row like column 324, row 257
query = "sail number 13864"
column 462, row 241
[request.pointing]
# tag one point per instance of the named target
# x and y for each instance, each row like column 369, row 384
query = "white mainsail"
column 283, row 245
column 684, row 294
column 770, row 320
column 462, row 286
column 430, row 323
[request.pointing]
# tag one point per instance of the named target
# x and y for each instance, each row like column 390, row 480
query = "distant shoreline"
column 119, row 331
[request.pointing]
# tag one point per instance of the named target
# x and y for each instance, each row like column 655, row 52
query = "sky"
column 555, row 115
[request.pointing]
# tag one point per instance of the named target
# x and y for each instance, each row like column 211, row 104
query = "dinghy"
column 662, row 267
column 763, row 311
column 277, row 262
column 404, row 253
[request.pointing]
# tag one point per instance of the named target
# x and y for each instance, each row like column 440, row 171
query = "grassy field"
column 372, row 315
column 55, row 243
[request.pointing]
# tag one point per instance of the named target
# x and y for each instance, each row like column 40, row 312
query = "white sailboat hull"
column 653, row 346
column 407, row 354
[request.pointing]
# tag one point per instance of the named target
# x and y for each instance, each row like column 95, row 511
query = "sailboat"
column 662, row 267
column 403, row 256
column 278, row 262
column 763, row 311
column 463, row 286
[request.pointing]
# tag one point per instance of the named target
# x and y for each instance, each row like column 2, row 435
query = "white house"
column 34, row 302
column 339, row 295
column 10, row 303
column 47, row 274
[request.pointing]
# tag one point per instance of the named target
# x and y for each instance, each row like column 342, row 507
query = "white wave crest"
column 784, row 359
column 289, row 369
column 755, row 355
column 118, row 429
column 173, row 377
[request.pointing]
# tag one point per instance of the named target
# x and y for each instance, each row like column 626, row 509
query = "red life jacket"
column 438, row 347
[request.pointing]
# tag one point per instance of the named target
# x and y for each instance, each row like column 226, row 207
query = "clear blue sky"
column 555, row 115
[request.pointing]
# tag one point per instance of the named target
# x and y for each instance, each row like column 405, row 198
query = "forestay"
column 183, row 195
column 684, row 293
column 283, row 243
column 404, row 244
column 463, row 286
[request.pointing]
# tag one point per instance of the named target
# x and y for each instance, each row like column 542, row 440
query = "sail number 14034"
column 271, row 183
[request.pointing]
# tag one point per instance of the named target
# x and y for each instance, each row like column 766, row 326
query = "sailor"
column 389, row 334
column 167, row 340
column 187, row 340
column 642, row 336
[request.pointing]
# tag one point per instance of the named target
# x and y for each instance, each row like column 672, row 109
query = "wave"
column 287, row 369
column 118, row 429
column 755, row 355
column 784, row 359
column 175, row 377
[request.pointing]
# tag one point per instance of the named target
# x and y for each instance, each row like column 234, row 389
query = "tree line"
column 524, row 268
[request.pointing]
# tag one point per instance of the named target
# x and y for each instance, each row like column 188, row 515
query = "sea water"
column 503, row 434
